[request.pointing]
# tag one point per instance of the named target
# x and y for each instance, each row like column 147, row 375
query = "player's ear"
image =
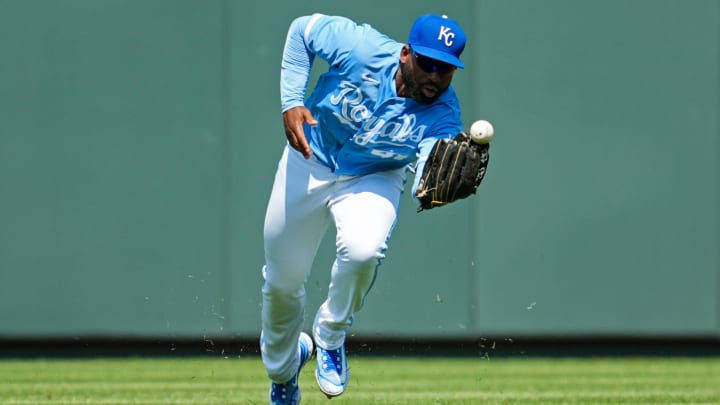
column 405, row 54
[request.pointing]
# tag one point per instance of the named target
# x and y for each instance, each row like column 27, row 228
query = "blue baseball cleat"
column 289, row 393
column 332, row 371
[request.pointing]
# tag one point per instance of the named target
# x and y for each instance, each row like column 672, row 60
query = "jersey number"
column 387, row 154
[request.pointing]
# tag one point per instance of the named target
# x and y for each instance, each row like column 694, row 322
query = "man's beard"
column 412, row 87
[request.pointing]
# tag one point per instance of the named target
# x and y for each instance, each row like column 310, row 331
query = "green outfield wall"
column 139, row 140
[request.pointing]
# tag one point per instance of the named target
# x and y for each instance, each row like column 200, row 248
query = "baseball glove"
column 454, row 170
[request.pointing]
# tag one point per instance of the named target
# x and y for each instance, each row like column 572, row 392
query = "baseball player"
column 379, row 109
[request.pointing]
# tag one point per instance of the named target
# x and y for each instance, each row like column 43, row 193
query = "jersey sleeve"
column 296, row 65
column 331, row 38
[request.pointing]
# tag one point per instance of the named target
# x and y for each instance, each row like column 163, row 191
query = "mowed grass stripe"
column 373, row 380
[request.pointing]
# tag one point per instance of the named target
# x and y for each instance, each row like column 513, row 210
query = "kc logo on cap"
column 446, row 35
column 438, row 37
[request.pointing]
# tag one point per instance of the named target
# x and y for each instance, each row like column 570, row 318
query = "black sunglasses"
column 429, row 65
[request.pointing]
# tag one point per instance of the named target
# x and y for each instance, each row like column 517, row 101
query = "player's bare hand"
column 294, row 119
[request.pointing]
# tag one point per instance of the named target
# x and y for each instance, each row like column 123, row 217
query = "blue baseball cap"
column 438, row 37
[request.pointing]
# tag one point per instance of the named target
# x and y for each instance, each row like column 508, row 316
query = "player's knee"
column 277, row 283
column 362, row 256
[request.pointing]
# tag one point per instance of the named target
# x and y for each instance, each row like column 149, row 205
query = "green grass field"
column 373, row 381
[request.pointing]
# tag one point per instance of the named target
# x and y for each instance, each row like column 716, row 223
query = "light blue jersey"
column 363, row 126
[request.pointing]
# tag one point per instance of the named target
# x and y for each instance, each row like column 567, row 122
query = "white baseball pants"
column 305, row 198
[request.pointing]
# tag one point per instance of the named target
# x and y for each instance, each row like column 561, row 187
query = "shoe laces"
column 282, row 392
column 332, row 359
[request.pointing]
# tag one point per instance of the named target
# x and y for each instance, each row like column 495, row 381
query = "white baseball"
column 481, row 131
